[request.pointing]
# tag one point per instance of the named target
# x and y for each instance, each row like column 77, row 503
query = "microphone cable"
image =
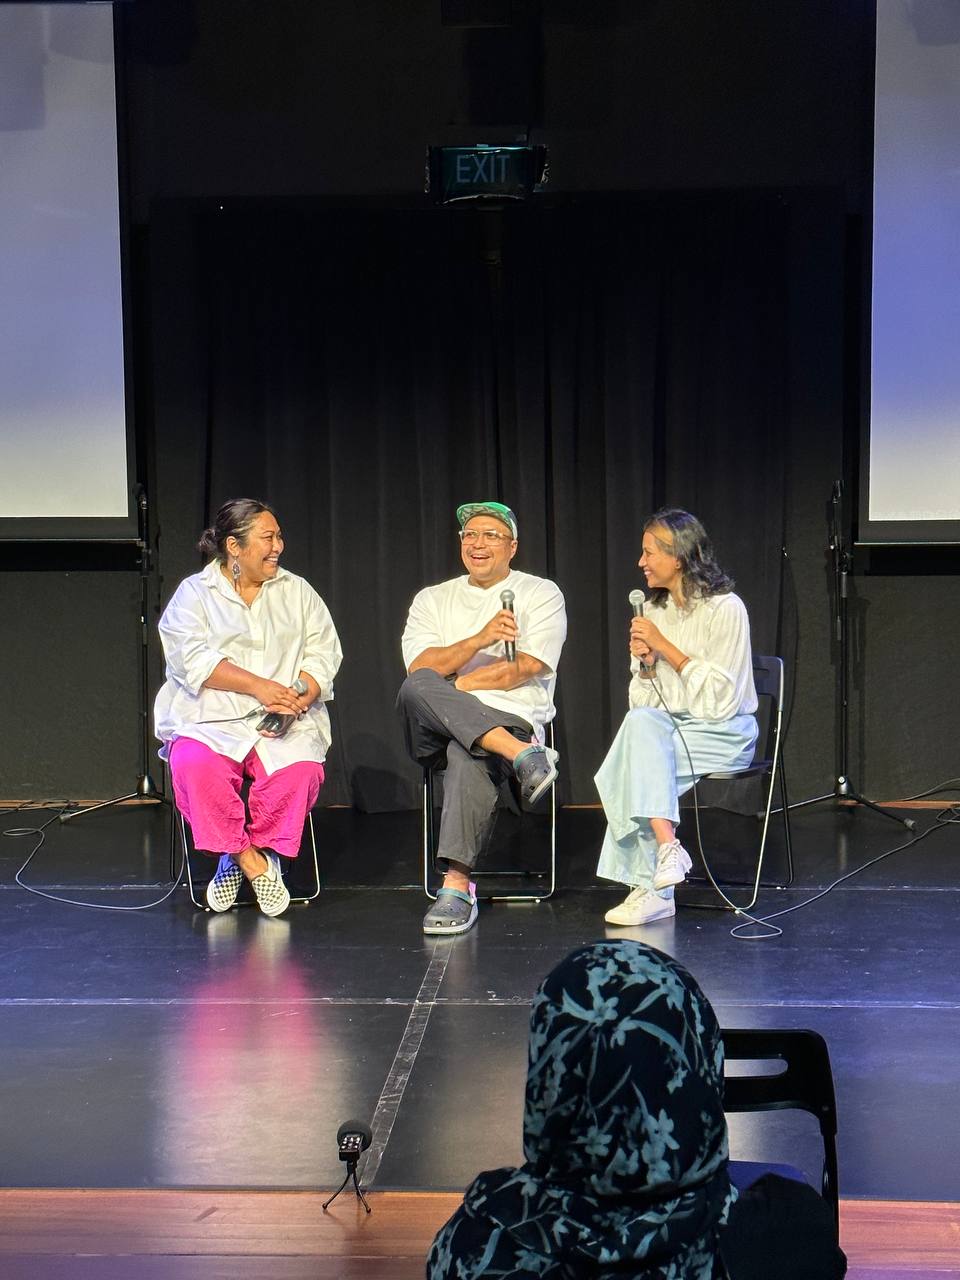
column 736, row 908
column 637, row 600
column 260, row 709
column 234, row 719
column 774, row 931
column 59, row 807
column 948, row 816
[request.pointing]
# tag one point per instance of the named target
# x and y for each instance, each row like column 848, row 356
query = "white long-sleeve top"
column 287, row 629
column 717, row 682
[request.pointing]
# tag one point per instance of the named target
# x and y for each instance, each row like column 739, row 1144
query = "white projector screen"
column 910, row 454
column 65, row 458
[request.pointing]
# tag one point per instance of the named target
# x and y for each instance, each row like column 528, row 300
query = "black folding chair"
column 804, row 1084
column 767, row 764
column 547, row 879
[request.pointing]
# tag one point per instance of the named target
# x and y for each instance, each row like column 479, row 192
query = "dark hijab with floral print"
column 624, row 1134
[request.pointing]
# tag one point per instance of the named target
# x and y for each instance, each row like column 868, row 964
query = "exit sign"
column 483, row 172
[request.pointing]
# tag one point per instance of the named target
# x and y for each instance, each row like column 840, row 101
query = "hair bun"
column 207, row 545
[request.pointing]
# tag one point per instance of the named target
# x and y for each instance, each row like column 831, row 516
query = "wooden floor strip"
column 236, row 1235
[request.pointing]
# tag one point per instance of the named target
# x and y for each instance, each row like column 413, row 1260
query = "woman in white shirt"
column 692, row 701
column 244, row 638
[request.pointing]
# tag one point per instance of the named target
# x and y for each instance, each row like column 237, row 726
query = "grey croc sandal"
column 453, row 912
column 535, row 768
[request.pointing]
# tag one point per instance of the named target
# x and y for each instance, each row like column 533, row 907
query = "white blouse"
column 717, row 682
column 287, row 629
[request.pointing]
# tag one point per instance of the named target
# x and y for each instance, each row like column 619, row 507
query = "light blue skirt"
column 647, row 769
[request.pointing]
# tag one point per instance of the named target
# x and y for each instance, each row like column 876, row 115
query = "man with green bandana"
column 478, row 694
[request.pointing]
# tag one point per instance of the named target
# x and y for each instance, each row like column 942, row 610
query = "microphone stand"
column 146, row 788
column 843, row 789
column 351, row 1173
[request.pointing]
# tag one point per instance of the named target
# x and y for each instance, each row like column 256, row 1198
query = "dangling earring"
column 235, row 570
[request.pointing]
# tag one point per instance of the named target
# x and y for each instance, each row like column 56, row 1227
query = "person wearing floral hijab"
column 624, row 1135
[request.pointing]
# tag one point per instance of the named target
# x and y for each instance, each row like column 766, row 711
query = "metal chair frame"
column 768, row 675
column 177, row 821
column 429, row 847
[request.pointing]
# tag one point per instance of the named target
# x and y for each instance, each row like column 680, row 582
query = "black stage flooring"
column 173, row 1048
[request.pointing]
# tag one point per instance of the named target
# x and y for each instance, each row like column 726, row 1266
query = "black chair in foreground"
column 805, row 1084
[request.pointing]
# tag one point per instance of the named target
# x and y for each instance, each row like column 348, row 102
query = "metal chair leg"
column 316, row 863
column 427, row 832
column 178, row 819
column 787, row 841
column 185, row 845
column 429, row 851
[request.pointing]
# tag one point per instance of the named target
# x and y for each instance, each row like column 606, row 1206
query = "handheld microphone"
column 276, row 722
column 509, row 646
column 638, row 600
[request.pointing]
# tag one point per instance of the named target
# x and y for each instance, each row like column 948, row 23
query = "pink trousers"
column 207, row 790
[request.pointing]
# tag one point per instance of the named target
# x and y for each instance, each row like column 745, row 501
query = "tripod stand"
column 146, row 788
column 353, row 1138
column 842, row 787
column 351, row 1173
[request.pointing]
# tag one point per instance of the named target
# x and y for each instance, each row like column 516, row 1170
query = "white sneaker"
column 640, row 906
column 673, row 863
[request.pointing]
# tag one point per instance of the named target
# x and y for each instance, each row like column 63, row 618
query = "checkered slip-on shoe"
column 223, row 888
column 273, row 896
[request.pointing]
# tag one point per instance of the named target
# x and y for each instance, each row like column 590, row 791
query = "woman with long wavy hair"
column 692, row 704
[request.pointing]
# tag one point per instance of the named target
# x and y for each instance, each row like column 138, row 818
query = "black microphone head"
column 637, row 600
column 357, row 1127
column 506, row 598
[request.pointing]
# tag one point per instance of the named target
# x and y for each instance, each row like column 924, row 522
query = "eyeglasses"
column 489, row 536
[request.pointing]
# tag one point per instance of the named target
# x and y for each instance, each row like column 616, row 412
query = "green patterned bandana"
column 495, row 509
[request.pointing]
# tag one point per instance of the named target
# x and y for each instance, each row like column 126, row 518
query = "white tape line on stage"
column 394, row 1087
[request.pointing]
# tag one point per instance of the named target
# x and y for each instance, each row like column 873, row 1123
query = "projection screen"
column 910, row 448
column 66, row 458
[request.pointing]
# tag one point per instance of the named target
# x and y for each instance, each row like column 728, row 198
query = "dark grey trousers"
column 441, row 726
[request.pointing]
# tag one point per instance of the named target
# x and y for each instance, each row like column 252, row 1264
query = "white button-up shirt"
column 287, row 629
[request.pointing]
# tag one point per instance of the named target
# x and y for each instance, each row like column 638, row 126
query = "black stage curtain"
column 367, row 370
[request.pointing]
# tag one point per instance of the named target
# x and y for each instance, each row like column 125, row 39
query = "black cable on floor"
column 59, row 808
column 951, row 784
column 732, row 906
column 941, row 820
column 763, row 922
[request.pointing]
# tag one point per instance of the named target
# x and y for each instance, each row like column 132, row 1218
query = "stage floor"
column 173, row 1048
